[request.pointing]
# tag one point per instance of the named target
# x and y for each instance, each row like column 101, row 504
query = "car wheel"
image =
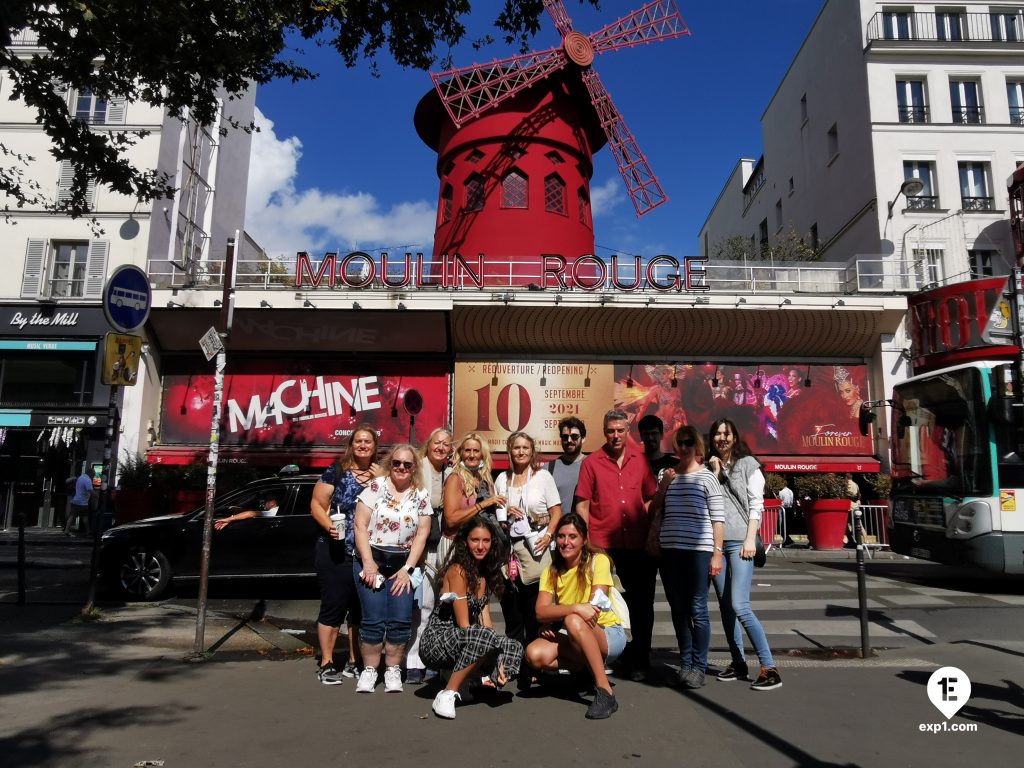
column 144, row 575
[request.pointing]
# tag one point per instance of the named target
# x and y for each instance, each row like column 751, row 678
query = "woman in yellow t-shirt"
column 590, row 638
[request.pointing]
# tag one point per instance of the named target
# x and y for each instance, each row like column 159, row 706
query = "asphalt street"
column 117, row 692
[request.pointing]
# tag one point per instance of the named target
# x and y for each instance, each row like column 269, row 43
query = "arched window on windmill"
column 554, row 194
column 475, row 192
column 515, row 190
column 446, row 203
column 583, row 199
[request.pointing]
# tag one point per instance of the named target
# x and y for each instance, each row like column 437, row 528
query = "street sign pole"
column 104, row 505
column 211, row 474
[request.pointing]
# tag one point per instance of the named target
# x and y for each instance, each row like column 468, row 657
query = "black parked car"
column 141, row 558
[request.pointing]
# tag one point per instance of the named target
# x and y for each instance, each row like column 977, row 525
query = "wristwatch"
column 409, row 569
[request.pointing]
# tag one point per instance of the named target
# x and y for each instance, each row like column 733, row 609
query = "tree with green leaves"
column 184, row 55
column 788, row 246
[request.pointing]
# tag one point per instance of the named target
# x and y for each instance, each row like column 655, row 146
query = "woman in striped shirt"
column 687, row 528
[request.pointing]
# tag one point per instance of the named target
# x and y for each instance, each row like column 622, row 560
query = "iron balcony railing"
column 868, row 275
column 968, row 115
column 1017, row 115
column 913, row 113
column 946, row 27
column 922, row 202
column 978, row 203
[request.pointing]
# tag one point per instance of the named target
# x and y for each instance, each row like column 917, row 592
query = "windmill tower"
column 515, row 140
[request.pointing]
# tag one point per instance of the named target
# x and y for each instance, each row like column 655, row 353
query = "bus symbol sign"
column 127, row 298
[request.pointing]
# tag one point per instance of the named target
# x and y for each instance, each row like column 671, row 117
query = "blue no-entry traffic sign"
column 126, row 298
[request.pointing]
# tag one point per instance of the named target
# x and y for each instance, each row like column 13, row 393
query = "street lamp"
column 908, row 188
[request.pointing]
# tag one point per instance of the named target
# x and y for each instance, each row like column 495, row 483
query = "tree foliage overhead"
column 182, row 55
column 787, row 246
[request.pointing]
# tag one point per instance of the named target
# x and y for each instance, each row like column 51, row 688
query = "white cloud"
column 605, row 197
column 284, row 220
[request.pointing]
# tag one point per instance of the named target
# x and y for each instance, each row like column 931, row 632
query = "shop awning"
column 787, row 464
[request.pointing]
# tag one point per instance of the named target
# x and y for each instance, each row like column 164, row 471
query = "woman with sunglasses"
column 687, row 529
column 469, row 490
column 335, row 494
column 743, row 491
column 392, row 525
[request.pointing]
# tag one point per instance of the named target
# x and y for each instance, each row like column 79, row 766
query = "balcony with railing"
column 922, row 203
column 968, row 115
column 913, row 113
column 1017, row 115
column 955, row 28
column 978, row 203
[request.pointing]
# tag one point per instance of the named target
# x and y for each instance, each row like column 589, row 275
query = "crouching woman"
column 590, row 638
column 459, row 634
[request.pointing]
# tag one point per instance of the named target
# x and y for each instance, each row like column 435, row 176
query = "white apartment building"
column 877, row 94
column 53, row 408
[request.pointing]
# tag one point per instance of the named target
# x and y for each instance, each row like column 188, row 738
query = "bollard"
column 21, row 558
column 862, row 586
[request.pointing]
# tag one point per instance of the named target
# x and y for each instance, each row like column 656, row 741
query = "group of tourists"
column 414, row 550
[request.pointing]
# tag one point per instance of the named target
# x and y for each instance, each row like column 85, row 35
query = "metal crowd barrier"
column 773, row 527
column 875, row 519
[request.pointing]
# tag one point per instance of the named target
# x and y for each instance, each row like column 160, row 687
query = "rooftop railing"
column 946, row 27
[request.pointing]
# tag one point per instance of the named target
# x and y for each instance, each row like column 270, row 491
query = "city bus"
column 957, row 468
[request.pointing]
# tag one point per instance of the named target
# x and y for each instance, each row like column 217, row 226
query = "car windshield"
column 939, row 433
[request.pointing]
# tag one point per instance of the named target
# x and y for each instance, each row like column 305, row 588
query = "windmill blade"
column 561, row 17
column 644, row 189
column 659, row 20
column 470, row 91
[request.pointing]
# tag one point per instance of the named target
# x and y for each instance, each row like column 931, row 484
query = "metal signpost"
column 127, row 298
column 212, row 344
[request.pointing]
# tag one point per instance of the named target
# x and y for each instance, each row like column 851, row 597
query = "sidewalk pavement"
column 116, row 692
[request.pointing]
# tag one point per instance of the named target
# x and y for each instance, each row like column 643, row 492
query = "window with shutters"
column 514, row 192
column 584, row 206
column 64, row 269
column 67, row 273
column 554, row 194
column 97, row 110
column 64, row 181
column 446, row 203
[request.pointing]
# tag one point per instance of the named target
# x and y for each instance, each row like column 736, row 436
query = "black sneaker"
column 694, row 679
column 768, row 680
column 678, row 678
column 735, row 671
column 603, row 706
column 328, row 674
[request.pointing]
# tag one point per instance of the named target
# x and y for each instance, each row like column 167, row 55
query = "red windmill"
column 530, row 123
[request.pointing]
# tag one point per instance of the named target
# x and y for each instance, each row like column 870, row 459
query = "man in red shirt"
column 615, row 487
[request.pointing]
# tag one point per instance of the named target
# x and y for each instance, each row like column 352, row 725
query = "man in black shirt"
column 652, row 433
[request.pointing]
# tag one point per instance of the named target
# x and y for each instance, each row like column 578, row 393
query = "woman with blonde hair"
column 434, row 457
column 533, row 511
column 469, row 490
column 392, row 524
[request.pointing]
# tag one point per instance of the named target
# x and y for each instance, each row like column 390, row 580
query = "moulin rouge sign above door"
column 585, row 273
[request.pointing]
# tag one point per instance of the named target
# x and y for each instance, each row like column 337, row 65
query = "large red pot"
column 826, row 522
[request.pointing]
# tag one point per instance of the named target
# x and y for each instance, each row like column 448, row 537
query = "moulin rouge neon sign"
column 585, row 273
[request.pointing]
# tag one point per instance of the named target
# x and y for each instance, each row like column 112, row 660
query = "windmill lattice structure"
column 470, row 91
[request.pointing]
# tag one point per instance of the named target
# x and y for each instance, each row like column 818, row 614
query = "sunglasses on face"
column 687, row 442
column 402, row 465
column 572, row 436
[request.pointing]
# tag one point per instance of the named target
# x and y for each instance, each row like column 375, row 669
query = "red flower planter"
column 826, row 522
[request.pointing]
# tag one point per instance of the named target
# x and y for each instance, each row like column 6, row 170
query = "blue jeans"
column 616, row 637
column 384, row 614
column 732, row 586
column 684, row 573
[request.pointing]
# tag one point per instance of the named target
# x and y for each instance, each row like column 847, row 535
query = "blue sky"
column 338, row 164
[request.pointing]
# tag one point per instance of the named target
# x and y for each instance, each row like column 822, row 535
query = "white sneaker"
column 393, row 680
column 367, row 680
column 444, row 704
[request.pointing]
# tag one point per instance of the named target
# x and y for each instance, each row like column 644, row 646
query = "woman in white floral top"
column 391, row 528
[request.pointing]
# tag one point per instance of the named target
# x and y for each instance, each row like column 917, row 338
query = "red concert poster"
column 777, row 409
column 314, row 409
